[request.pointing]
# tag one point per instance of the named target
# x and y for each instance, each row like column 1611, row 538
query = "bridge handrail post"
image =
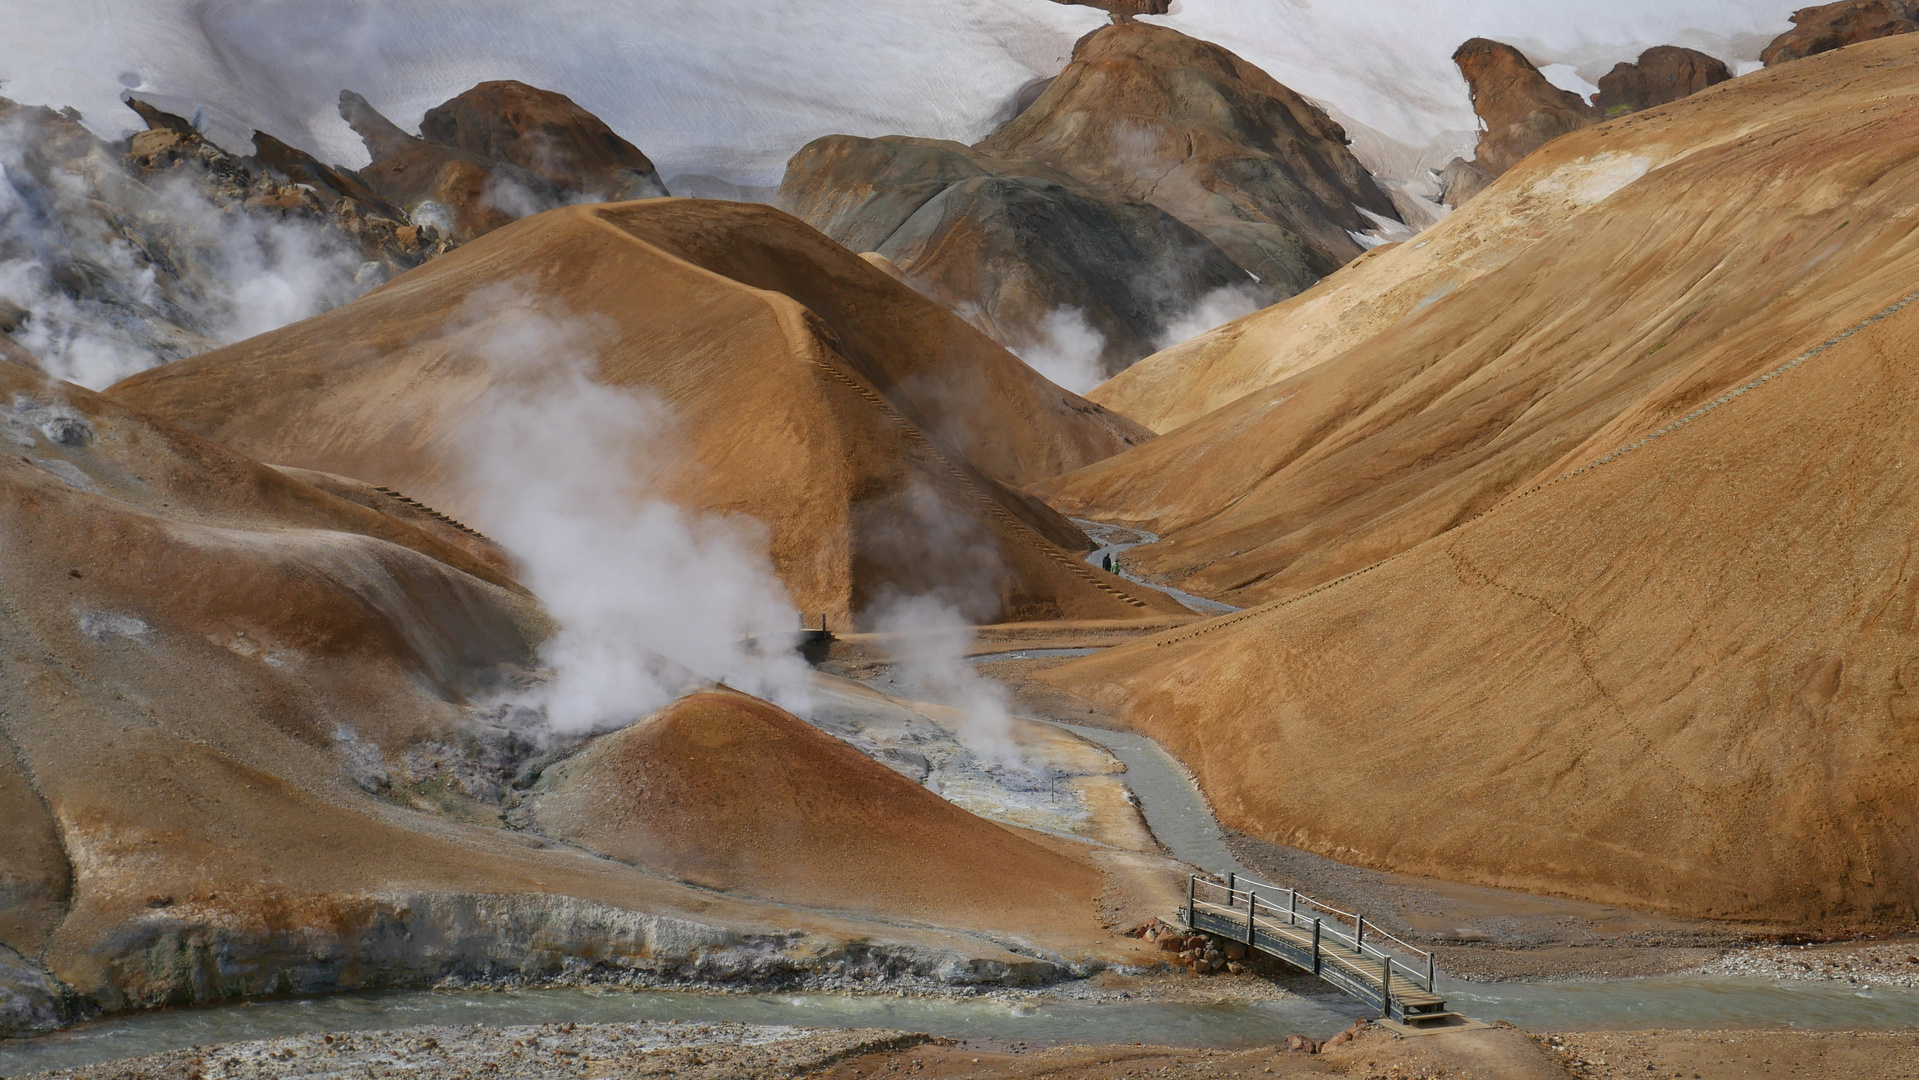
column 1232, row 886
column 1429, row 974
column 1292, row 906
column 1386, row 989
column 1359, row 936
column 1315, row 944
column 1252, row 910
column 1192, row 883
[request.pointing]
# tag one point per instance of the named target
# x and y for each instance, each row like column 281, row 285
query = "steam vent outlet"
column 815, row 642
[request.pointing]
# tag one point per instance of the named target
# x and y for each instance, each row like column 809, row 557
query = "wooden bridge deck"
column 1399, row 984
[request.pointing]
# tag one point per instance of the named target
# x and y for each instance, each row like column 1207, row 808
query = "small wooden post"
column 1292, row 906
column 1429, row 974
column 1232, row 886
column 1315, row 944
column 1192, row 881
column 1359, row 937
column 1386, row 988
column 1252, row 908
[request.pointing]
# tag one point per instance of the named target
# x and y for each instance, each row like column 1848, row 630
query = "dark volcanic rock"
column 1461, row 180
column 1124, row 10
column 1834, row 26
column 1664, row 73
column 546, row 134
column 1009, row 243
column 1520, row 109
column 1162, row 118
column 462, row 192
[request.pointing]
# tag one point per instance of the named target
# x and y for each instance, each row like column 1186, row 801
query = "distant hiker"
column 1106, row 561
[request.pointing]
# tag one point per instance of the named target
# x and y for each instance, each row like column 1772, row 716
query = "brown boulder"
column 1664, row 73
column 547, row 134
column 1461, row 180
column 1520, row 109
column 1835, row 26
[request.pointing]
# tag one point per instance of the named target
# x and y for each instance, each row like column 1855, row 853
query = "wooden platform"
column 1329, row 943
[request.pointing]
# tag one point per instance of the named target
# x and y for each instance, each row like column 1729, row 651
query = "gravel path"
column 610, row 1051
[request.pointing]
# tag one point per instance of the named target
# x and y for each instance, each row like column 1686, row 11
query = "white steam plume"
column 1067, row 351
column 117, row 274
column 652, row 599
column 931, row 630
column 1216, row 308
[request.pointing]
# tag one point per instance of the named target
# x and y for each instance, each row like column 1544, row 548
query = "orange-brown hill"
column 1610, row 282
column 1681, row 679
column 236, row 713
column 868, row 428
column 729, row 792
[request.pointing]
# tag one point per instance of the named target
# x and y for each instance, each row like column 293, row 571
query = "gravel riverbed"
column 601, row 1051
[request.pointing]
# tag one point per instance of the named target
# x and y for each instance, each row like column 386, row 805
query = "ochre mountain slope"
column 727, row 791
column 236, row 713
column 868, row 428
column 1609, row 283
column 1681, row 679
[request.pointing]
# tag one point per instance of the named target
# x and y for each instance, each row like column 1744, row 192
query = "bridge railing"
column 1261, row 901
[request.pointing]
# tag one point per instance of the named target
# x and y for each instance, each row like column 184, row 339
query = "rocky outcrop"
column 1460, row 180
column 461, row 192
column 1124, row 10
column 1157, row 183
column 1161, row 118
column 1835, row 26
column 1663, row 73
column 545, row 133
column 1519, row 110
column 137, row 253
column 1009, row 244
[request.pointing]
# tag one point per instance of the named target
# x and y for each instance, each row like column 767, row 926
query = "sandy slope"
column 1718, row 235
column 867, row 427
column 1678, row 679
column 727, row 791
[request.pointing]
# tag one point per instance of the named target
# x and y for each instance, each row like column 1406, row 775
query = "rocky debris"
column 545, row 133
column 282, row 182
column 1461, row 180
column 1895, row 964
column 1197, row 952
column 1519, row 109
column 1009, row 244
column 1663, row 73
column 31, row 1001
column 1835, row 26
column 1187, row 126
column 1124, row 10
column 697, row 1051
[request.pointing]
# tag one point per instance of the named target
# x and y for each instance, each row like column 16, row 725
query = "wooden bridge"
column 1335, row 945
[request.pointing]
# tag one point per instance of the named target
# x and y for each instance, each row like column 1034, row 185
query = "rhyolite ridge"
column 1835, row 26
column 1154, row 174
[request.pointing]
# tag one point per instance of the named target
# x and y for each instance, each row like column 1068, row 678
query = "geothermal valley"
column 1029, row 538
